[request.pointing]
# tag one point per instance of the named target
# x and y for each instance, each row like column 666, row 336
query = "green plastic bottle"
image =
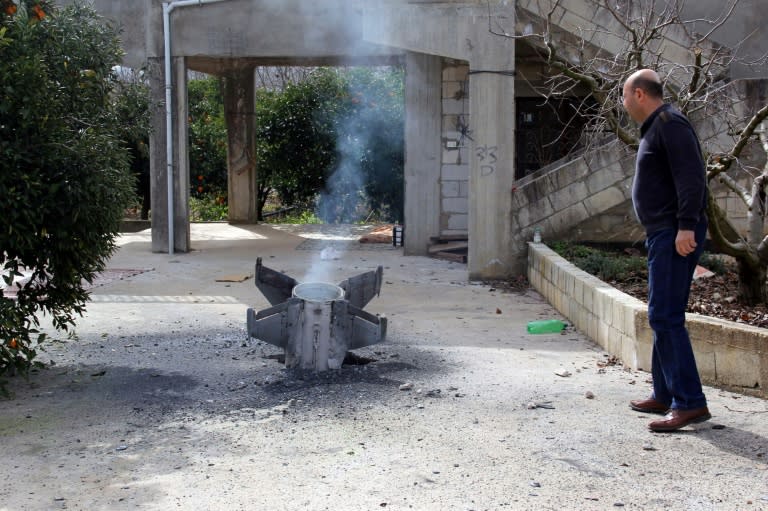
column 545, row 326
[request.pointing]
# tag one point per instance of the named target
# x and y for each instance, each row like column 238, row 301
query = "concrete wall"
column 728, row 354
column 454, row 171
column 745, row 30
column 587, row 198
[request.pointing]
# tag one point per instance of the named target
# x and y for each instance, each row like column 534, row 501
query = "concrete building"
column 474, row 128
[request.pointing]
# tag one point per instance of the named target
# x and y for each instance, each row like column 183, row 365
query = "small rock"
column 121, row 447
column 648, row 447
column 536, row 484
column 406, row 386
column 589, row 395
column 562, row 372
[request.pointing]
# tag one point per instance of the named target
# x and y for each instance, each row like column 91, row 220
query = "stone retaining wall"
column 728, row 354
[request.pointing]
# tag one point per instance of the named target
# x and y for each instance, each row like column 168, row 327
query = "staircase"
column 587, row 197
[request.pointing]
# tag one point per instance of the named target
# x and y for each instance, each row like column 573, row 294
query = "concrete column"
column 238, row 87
column 157, row 179
column 158, row 165
column 423, row 87
column 181, row 157
column 492, row 121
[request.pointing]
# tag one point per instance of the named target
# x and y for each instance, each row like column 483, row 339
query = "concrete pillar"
column 158, row 166
column 181, row 157
column 492, row 121
column 423, row 87
column 238, row 87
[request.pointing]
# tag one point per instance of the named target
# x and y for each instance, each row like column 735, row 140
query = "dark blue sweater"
column 669, row 189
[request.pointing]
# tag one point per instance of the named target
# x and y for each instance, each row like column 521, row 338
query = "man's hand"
column 685, row 242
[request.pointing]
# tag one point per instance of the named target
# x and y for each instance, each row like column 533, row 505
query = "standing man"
column 669, row 195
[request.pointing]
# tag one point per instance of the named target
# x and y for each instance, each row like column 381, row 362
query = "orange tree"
column 208, row 139
column 64, row 172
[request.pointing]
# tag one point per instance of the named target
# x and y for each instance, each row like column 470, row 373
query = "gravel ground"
column 160, row 401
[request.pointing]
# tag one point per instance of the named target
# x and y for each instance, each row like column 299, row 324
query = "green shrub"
column 208, row 208
column 64, row 172
column 604, row 264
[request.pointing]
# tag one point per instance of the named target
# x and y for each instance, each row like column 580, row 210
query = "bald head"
column 649, row 81
column 643, row 94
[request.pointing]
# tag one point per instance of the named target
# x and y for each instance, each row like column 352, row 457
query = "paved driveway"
column 160, row 401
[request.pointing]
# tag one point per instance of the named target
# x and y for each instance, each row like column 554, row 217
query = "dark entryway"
column 546, row 131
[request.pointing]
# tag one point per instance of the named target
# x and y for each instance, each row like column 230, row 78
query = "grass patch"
column 607, row 265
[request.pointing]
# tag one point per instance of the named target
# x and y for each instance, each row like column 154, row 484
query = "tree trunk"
column 753, row 289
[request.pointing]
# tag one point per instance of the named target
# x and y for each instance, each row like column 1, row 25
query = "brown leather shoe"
column 649, row 405
column 677, row 419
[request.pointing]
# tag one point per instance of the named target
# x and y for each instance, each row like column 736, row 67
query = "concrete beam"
column 431, row 29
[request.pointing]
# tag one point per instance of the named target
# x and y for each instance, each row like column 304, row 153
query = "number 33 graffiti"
column 487, row 157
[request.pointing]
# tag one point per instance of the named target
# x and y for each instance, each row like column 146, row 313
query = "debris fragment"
column 540, row 404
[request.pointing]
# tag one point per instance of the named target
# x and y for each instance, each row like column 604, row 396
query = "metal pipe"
column 168, row 7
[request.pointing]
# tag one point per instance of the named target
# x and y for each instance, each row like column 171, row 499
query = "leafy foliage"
column 295, row 138
column 338, row 134
column 64, row 172
column 131, row 102
column 606, row 265
column 208, row 140
column 207, row 208
column 334, row 138
column 370, row 148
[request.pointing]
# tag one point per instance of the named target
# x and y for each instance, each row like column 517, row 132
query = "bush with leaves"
column 208, row 140
column 295, row 138
column 337, row 134
column 64, row 172
column 131, row 101
column 371, row 142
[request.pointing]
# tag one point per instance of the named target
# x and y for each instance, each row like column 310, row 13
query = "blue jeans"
column 675, row 377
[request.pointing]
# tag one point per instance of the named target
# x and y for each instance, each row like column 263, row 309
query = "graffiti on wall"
column 487, row 156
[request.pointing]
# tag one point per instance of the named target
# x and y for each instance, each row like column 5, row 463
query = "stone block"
column 453, row 90
column 738, row 367
column 454, row 172
column 604, row 306
column 458, row 222
column 565, row 197
column 604, row 200
column 561, row 222
column 453, row 107
column 617, row 318
column 464, row 187
column 449, row 188
column 455, row 205
column 455, row 73
column 601, row 179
